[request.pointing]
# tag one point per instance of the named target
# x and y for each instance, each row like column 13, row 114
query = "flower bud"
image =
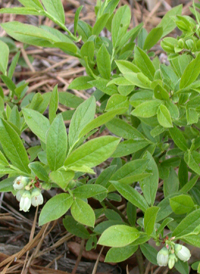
column 172, row 260
column 190, row 44
column 20, row 182
column 162, row 257
column 36, row 197
column 25, row 201
column 182, row 252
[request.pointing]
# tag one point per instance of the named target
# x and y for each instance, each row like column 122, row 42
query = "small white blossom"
column 25, row 201
column 182, row 252
column 172, row 260
column 20, row 182
column 36, row 197
column 19, row 195
column 162, row 257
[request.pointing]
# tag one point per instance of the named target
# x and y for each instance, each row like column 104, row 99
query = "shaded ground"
column 25, row 247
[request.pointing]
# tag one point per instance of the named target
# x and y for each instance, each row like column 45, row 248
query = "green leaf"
column 81, row 83
column 6, row 185
column 144, row 63
column 192, row 240
column 105, row 175
column 22, row 11
column 13, row 65
column 171, row 184
column 190, row 73
column 129, row 146
column 119, row 236
column 131, row 195
column 39, row 171
column 150, row 218
column 167, row 22
column 84, row 30
column 100, row 120
column 32, row 3
column 68, row 48
column 192, row 116
column 103, row 62
column 38, row 123
column 132, row 34
column 56, row 146
column 149, row 185
column 55, row 208
column 93, row 152
column 87, row 50
column 82, row 116
column 187, row 225
column 82, row 212
column 149, row 252
column 29, row 34
column 69, row 100
column 76, row 18
column 53, row 105
column 100, row 24
column 55, row 8
column 120, row 254
column 182, row 267
column 126, row 67
column 131, row 168
column 191, row 158
column 9, row 83
column 178, row 138
column 15, row 117
column 124, row 130
column 189, row 185
column 102, row 85
column 120, row 24
column 75, row 228
column 117, row 101
column 62, row 177
column 87, row 191
column 164, row 117
column 181, row 204
column 163, row 225
column 153, row 37
column 13, row 146
column 147, row 109
column 4, row 54
column 138, row 79
column 3, row 160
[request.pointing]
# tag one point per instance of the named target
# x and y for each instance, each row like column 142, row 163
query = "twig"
column 79, row 256
column 97, row 261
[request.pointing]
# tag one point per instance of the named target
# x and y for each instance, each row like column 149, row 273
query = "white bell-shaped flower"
column 36, row 197
column 162, row 257
column 19, row 195
column 182, row 252
column 20, row 182
column 25, row 201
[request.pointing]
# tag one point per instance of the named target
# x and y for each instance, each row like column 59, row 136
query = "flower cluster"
column 27, row 194
column 170, row 254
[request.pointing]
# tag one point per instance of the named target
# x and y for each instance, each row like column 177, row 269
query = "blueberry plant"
column 151, row 110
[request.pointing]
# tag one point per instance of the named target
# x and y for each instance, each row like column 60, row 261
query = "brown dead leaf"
column 90, row 255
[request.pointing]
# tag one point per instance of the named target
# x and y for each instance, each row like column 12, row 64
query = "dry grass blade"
column 27, row 247
column 25, row 269
column 97, row 261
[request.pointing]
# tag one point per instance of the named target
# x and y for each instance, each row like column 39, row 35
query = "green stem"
column 116, row 210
